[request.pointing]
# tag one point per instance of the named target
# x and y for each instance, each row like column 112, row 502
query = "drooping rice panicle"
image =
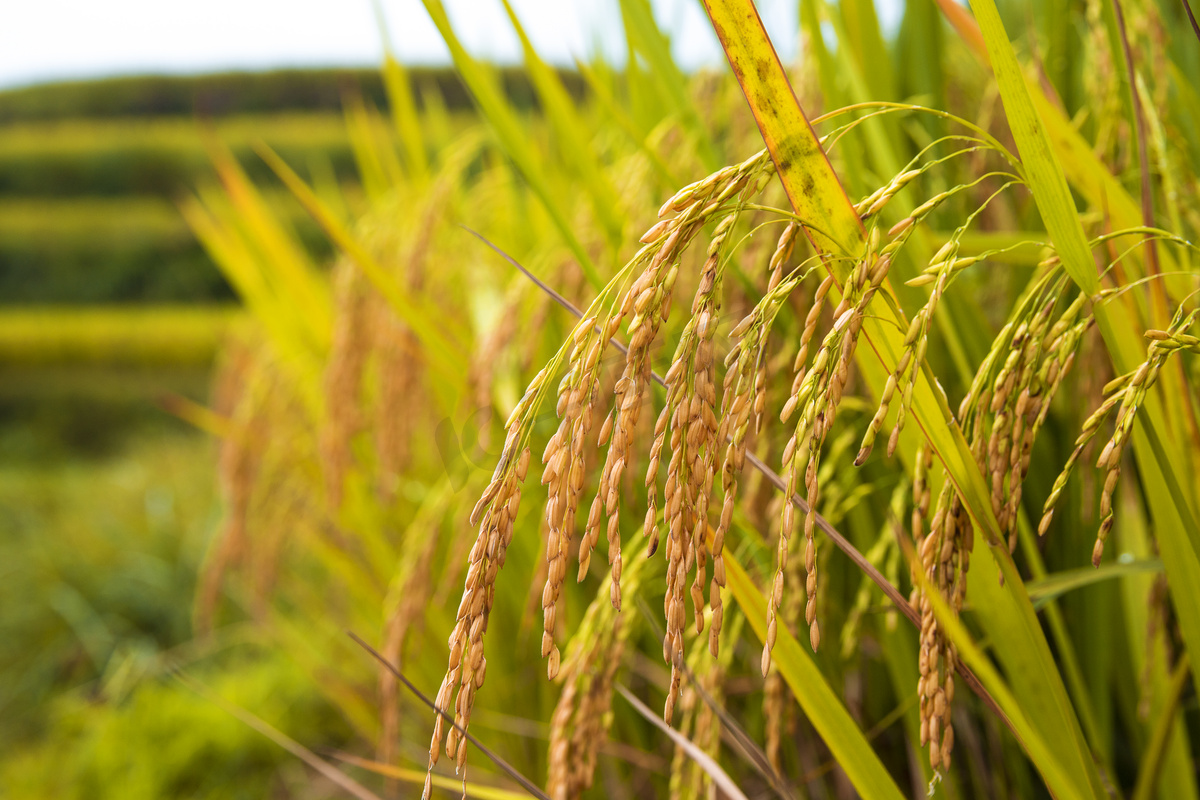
column 467, row 666
column 647, row 303
column 692, row 428
column 582, row 715
column 744, row 396
column 1126, row 394
column 687, row 426
column 1132, row 391
column 945, row 558
column 564, row 462
column 943, row 266
column 816, row 395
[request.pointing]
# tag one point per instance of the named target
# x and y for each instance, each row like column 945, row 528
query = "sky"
column 46, row 40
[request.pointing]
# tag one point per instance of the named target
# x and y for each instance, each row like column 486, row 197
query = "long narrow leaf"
column 1033, row 739
column 447, row 352
column 648, row 40
column 573, row 133
column 822, row 707
column 510, row 136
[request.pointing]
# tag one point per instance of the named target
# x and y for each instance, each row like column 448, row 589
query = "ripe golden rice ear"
column 349, row 350
column 582, row 715
column 817, row 392
column 944, row 557
column 466, row 667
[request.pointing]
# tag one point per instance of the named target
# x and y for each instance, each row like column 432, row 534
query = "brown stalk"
column 1139, row 117
column 510, row 770
column 737, row 735
column 1192, row 19
column 773, row 478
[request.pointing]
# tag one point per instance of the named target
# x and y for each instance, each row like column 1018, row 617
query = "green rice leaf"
column 1150, row 660
column 1062, row 784
column 646, row 39
column 573, row 136
column 513, row 140
column 446, row 354
column 1044, row 173
column 824, row 710
column 1045, row 589
column 402, row 104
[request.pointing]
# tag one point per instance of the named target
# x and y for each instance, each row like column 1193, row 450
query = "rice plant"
column 985, row 294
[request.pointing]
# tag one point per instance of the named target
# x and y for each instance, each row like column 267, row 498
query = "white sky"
column 44, row 40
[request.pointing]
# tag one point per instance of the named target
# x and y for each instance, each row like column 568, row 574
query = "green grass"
column 100, row 557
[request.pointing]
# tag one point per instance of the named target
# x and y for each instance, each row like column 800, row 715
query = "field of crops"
column 91, row 174
column 661, row 464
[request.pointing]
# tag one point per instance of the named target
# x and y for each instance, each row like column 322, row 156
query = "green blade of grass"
column 447, row 353
column 646, row 39
column 962, row 330
column 573, row 133
column 290, row 272
column 1156, row 751
column 1045, row 589
column 511, row 138
column 1149, row 657
column 604, row 96
column 1042, row 170
column 404, row 117
column 1060, row 782
column 866, row 40
column 1083, row 168
column 377, row 179
column 826, row 713
column 402, row 104
column 1068, row 656
column 285, row 327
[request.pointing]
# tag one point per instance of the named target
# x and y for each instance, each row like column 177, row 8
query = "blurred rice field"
column 148, row 336
column 110, row 312
column 157, row 156
column 112, row 320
